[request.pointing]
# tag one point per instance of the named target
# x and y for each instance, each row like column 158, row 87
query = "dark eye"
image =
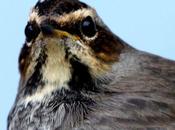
column 31, row 31
column 88, row 27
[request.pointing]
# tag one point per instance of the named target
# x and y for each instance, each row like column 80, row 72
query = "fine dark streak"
column 59, row 6
column 81, row 78
column 36, row 79
column 76, row 105
column 70, row 98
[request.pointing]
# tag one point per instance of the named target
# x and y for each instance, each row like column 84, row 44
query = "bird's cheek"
column 106, row 57
column 24, row 58
column 106, row 46
column 28, row 59
column 107, row 52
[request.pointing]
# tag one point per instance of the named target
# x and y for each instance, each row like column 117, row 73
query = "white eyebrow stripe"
column 65, row 18
column 77, row 15
column 35, row 17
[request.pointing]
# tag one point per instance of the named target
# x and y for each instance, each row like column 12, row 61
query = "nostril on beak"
column 46, row 29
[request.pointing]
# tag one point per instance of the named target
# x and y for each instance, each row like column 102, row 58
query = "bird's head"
column 65, row 40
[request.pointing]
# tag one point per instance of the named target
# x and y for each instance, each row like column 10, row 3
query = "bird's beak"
column 49, row 30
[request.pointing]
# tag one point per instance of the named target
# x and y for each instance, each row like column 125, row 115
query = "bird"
column 76, row 74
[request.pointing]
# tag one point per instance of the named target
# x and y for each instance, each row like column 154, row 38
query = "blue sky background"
column 148, row 25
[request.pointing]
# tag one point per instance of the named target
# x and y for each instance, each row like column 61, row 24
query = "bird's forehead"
column 62, row 11
column 46, row 7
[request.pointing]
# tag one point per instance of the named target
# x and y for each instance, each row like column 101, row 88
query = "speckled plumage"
column 70, row 81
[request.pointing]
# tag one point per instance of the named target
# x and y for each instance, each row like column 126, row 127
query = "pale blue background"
column 146, row 24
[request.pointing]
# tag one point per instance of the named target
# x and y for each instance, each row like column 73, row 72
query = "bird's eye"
column 88, row 27
column 31, row 31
